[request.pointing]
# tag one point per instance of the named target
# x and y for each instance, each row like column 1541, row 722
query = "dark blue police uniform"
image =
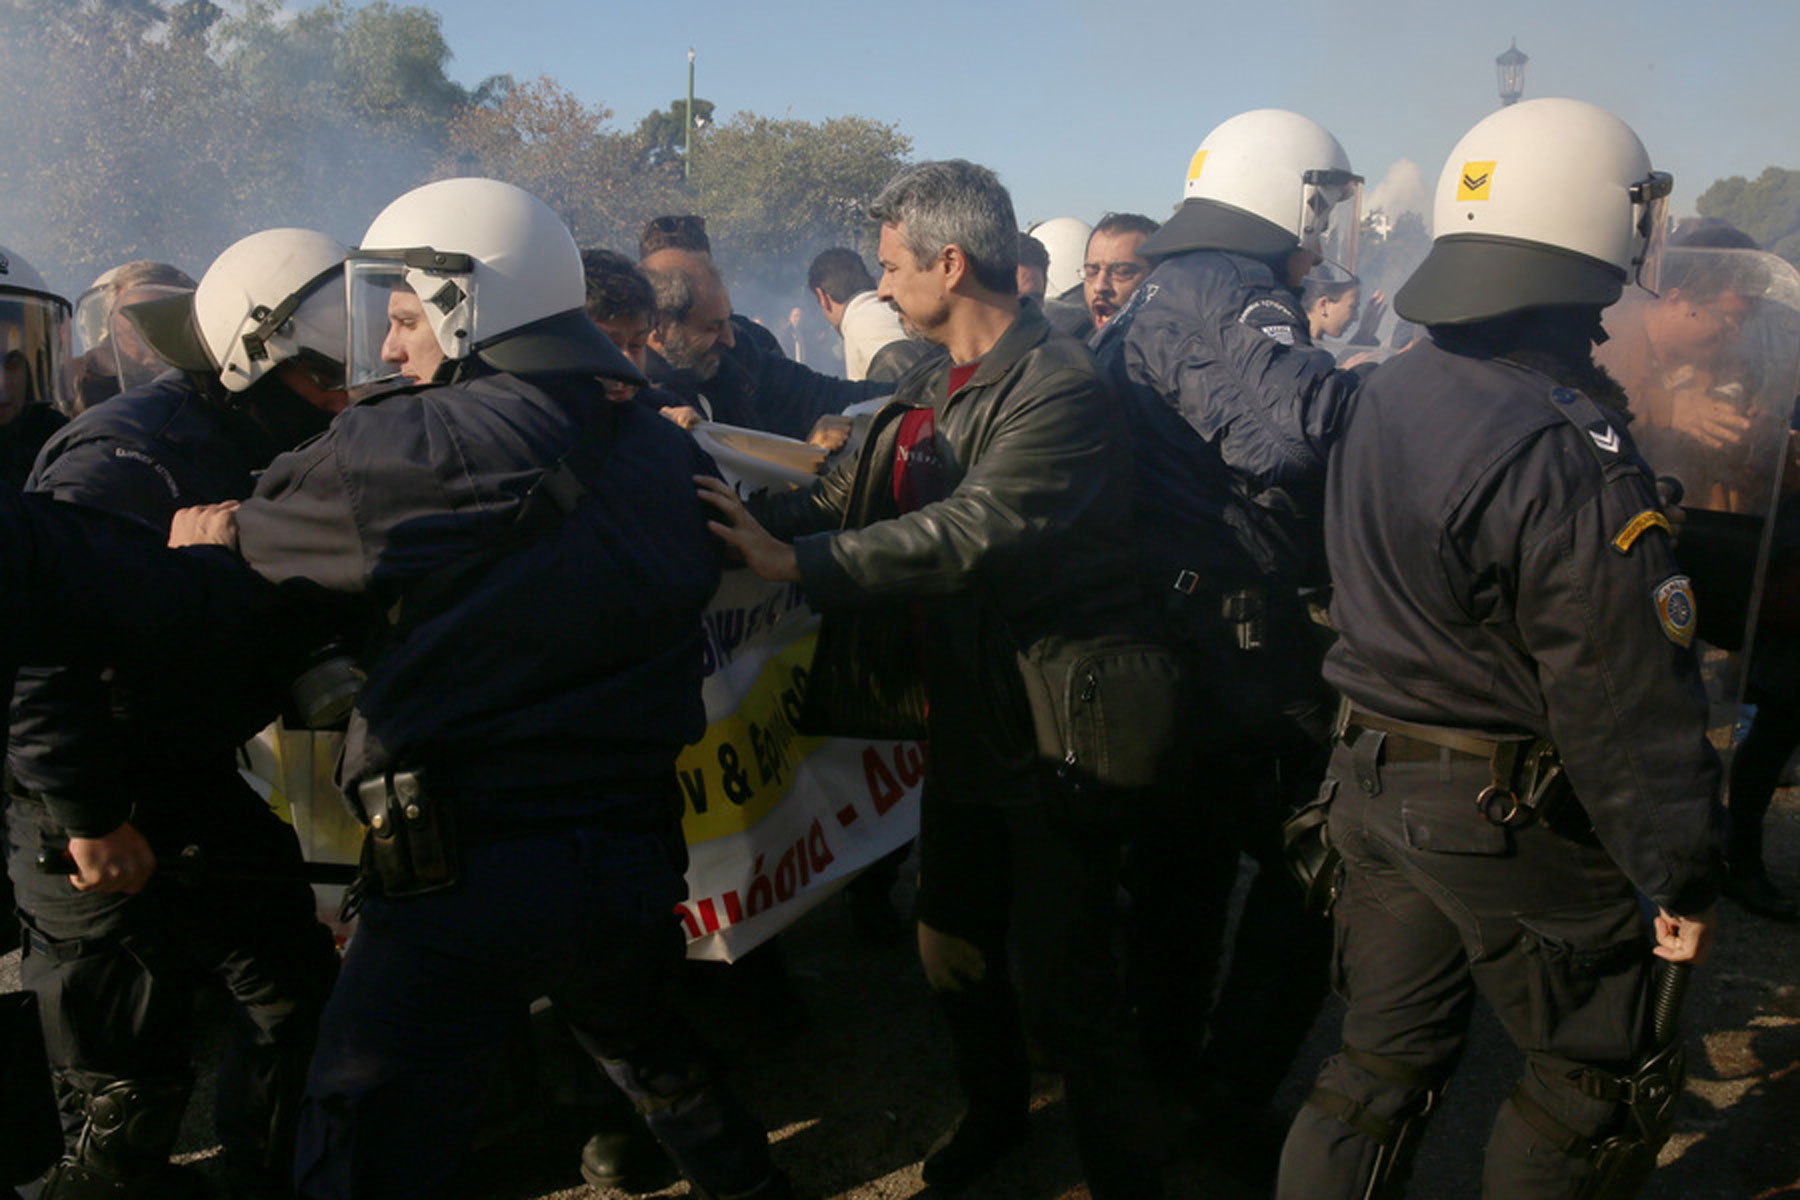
column 1503, row 584
column 116, row 973
column 543, row 702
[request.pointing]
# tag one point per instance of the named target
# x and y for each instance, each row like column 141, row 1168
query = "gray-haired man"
column 977, row 540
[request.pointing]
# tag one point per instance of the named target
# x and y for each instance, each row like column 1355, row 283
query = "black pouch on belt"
column 411, row 846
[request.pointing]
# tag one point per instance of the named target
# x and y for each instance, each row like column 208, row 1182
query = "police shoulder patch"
column 1675, row 609
column 1633, row 529
column 1273, row 319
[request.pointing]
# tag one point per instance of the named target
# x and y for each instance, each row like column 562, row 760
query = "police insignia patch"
column 1634, row 529
column 1675, row 609
column 1272, row 319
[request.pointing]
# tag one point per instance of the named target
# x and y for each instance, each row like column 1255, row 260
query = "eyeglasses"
column 1118, row 272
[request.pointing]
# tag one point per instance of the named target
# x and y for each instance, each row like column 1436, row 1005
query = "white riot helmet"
column 499, row 277
column 268, row 298
column 1264, row 183
column 1548, row 202
column 1065, row 239
column 34, row 338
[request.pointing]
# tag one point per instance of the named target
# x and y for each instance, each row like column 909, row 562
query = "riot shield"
column 1711, row 365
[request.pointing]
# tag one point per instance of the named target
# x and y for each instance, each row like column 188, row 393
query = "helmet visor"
column 1650, row 205
column 122, row 350
column 34, row 345
column 1330, row 213
column 398, row 303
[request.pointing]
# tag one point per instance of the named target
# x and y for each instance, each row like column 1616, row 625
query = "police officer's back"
column 1522, row 747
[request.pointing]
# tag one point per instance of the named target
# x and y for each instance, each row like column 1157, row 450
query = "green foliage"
column 1767, row 208
column 167, row 129
column 662, row 133
column 776, row 192
column 539, row 136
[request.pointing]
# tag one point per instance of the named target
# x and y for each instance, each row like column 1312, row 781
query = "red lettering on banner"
column 884, row 791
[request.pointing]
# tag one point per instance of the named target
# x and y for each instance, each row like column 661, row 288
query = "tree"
column 147, row 130
column 663, row 133
column 1767, row 208
column 775, row 192
column 541, row 137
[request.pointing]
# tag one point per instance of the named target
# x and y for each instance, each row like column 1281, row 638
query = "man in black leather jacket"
column 979, row 529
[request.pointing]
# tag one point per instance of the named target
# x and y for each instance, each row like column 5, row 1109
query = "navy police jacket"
column 566, row 670
column 79, row 586
column 1500, row 563
column 93, row 746
column 1234, row 411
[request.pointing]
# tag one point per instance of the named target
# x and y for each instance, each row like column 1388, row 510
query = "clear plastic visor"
column 107, row 340
column 1330, row 215
column 395, row 303
column 1650, row 204
column 34, row 347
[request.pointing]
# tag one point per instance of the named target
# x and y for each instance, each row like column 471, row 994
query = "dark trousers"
column 1046, row 873
column 432, row 985
column 1755, row 773
column 1183, row 866
column 1437, row 905
column 116, row 977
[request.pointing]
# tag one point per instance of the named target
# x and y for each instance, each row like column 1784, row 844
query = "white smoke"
column 1401, row 190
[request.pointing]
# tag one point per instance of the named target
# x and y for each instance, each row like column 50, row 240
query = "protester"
column 876, row 345
column 981, row 520
column 1112, row 268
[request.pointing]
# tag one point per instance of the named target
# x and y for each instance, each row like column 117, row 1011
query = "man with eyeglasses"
column 1113, row 268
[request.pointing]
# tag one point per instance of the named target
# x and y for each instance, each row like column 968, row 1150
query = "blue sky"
column 1088, row 105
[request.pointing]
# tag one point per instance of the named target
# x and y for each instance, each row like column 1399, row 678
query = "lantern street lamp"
column 1510, row 67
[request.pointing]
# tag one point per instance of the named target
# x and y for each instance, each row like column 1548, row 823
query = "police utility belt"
column 1526, row 778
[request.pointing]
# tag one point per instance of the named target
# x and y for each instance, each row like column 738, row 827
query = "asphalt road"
column 853, row 1079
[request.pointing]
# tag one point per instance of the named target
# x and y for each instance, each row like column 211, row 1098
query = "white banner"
column 775, row 822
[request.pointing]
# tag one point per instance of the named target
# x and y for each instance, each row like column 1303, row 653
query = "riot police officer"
column 34, row 346
column 1523, row 746
column 1234, row 409
column 513, row 751
column 128, row 767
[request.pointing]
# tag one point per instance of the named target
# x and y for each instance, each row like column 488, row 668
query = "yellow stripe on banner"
column 1634, row 528
column 742, row 767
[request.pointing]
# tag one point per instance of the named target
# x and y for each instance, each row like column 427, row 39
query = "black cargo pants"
column 1437, row 905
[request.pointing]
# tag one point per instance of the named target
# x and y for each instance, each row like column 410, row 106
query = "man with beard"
column 697, row 355
column 121, row 769
column 1112, row 268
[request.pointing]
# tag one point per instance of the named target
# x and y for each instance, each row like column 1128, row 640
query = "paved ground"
column 857, row 1095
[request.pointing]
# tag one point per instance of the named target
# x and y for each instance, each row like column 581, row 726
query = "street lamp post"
column 1510, row 66
column 687, row 126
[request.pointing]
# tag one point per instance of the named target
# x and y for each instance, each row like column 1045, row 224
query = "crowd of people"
column 1161, row 581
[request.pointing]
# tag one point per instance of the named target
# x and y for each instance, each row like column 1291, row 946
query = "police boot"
column 627, row 1157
